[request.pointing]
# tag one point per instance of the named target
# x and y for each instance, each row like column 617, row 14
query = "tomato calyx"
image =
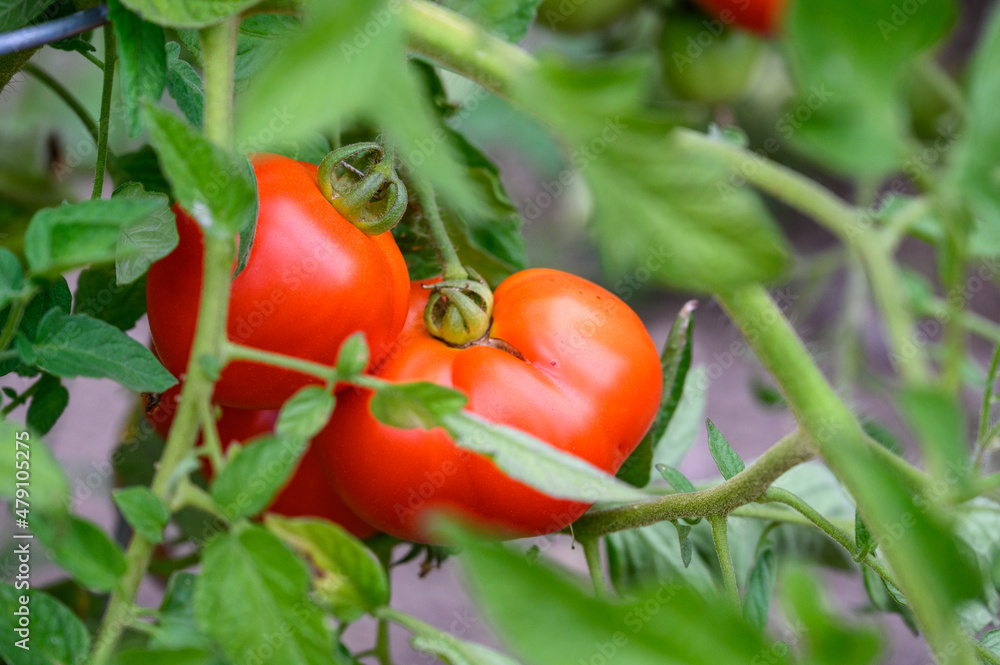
column 459, row 311
column 360, row 181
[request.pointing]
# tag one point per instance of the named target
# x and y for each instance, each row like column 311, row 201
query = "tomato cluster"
column 564, row 360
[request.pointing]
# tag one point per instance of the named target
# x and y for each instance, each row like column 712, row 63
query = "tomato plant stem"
column 739, row 490
column 219, row 47
column 67, row 97
column 451, row 265
column 779, row 495
column 853, row 228
column 210, row 436
column 720, row 534
column 110, row 57
column 248, row 353
column 982, row 442
column 460, row 45
column 210, row 334
column 13, row 320
column 844, row 445
column 592, row 553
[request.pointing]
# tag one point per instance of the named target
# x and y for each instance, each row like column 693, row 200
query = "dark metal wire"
column 33, row 36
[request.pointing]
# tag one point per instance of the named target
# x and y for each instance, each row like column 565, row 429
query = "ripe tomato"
column 312, row 280
column 760, row 16
column 589, row 384
column 310, row 491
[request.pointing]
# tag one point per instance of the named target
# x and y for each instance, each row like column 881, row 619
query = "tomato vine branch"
column 210, row 333
column 110, row 56
column 743, row 488
column 592, row 554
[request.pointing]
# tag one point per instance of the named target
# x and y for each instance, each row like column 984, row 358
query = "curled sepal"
column 360, row 181
column 459, row 311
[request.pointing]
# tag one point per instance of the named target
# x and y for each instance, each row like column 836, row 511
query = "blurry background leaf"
column 508, row 19
column 187, row 13
column 848, row 60
column 99, row 295
column 142, row 62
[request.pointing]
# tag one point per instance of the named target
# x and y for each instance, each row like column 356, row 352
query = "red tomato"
column 589, row 384
column 760, row 16
column 312, row 280
column 310, row 491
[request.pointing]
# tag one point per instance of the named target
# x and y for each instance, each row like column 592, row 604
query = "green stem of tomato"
column 846, row 448
column 811, row 198
column 461, row 45
column 844, row 539
column 210, row 334
column 743, row 488
column 110, row 56
column 720, row 534
column 451, row 265
column 592, row 553
column 210, row 437
column 233, row 352
column 219, row 40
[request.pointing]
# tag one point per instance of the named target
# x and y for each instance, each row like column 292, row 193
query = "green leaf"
column 261, row 37
column 11, row 276
column 143, row 510
column 216, row 188
column 273, row 584
column 535, row 463
column 184, row 85
column 673, row 196
column 647, row 557
column 139, row 166
column 77, row 345
column 566, row 625
column 305, row 413
column 848, row 63
column 826, row 638
column 937, row 420
column 507, row 19
column 55, row 635
column 677, row 480
column 687, row 549
column 77, row 234
column 146, row 241
column 353, row 580
column 687, row 420
column 725, row 457
column 675, row 362
column 187, row 13
column 991, row 641
column 977, row 153
column 99, row 295
column 447, row 647
column 353, row 356
column 47, row 404
column 49, row 489
column 83, row 550
column 142, row 62
column 335, row 46
column 177, row 628
column 760, row 586
column 978, row 527
column 421, row 404
column 251, row 479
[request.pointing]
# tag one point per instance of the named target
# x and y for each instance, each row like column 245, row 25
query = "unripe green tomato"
column 703, row 60
column 583, row 15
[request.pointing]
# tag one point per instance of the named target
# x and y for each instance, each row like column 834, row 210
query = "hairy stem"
column 451, row 265
column 741, row 489
column 110, row 57
column 210, row 334
column 844, row 445
column 219, row 46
